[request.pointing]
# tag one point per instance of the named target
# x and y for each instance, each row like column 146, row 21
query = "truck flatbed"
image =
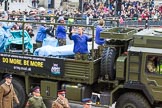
column 52, row 68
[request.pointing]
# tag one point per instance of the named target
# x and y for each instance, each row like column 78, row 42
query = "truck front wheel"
column 132, row 100
column 20, row 91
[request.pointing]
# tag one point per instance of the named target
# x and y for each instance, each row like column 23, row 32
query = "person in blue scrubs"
column 98, row 40
column 99, row 29
column 80, row 44
column 4, row 30
column 5, row 25
column 3, row 38
column 61, row 32
column 41, row 34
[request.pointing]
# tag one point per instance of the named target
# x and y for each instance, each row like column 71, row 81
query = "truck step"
column 100, row 80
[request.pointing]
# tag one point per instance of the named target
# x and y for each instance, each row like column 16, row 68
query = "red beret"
column 36, row 89
column 61, row 91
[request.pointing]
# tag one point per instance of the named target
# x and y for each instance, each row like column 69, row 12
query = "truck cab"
column 147, row 43
column 138, row 70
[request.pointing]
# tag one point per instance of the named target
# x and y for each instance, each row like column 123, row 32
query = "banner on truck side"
column 40, row 65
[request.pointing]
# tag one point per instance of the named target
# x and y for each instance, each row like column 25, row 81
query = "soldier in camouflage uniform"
column 79, row 56
column 36, row 101
column 61, row 101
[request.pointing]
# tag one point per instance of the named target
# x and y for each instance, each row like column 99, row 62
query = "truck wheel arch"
column 132, row 99
column 108, row 63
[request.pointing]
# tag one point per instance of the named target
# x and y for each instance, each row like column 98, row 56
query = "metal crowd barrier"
column 142, row 23
column 109, row 22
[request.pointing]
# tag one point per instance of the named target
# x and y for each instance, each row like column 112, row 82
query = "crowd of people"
column 132, row 10
column 129, row 9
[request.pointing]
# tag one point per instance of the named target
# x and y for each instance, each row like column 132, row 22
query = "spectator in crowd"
column 80, row 44
column 61, row 101
column 49, row 3
column 61, row 32
column 34, row 2
column 36, row 100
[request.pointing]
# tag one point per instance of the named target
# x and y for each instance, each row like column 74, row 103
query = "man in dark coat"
column 7, row 93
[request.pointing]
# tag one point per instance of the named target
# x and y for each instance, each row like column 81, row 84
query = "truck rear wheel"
column 108, row 63
column 132, row 100
column 20, row 92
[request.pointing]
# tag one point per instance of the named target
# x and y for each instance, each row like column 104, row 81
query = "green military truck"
column 120, row 75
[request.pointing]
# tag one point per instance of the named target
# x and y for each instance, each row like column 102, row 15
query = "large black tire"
column 20, row 91
column 48, row 103
column 132, row 100
column 108, row 63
